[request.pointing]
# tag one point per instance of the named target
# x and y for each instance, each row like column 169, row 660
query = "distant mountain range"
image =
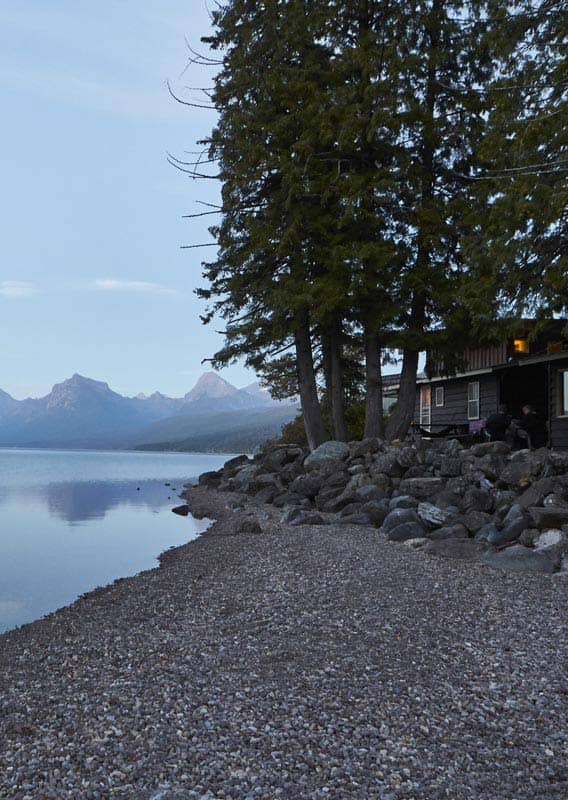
column 81, row 412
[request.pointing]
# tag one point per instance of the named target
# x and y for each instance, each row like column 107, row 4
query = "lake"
column 74, row 520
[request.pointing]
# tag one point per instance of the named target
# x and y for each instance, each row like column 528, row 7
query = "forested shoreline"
column 393, row 181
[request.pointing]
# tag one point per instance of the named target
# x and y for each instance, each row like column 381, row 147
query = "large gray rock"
column 450, row 466
column 487, row 530
column 491, row 466
column 432, row 516
column 370, row 492
column 422, row 488
column 376, row 510
column 551, row 538
column 307, row 485
column 477, row 500
column 365, row 447
column 510, row 531
column 211, row 479
column 387, row 464
column 490, row 448
column 245, row 479
column 406, row 530
column 403, row 501
column 522, row 559
column 457, row 531
column 328, row 451
column 549, row 517
column 399, row 516
column 233, row 465
column 474, row 520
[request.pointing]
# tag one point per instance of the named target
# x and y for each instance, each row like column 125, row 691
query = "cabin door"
column 425, row 406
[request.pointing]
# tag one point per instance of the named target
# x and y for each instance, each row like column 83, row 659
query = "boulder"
column 387, row 464
column 406, row 530
column 510, row 531
column 422, row 488
column 554, row 500
column 549, row 517
column 356, row 469
column 403, row 501
column 369, row 492
column 477, row 500
column 307, row 485
column 244, row 479
column 550, row 538
column 365, row 447
column 380, row 480
column 328, row 451
column 357, row 482
column 432, row 516
column 474, row 520
column 450, row 466
column 518, row 473
column 490, row 448
column 457, row 531
column 559, row 461
column 491, row 466
column 522, row 559
column 277, row 457
column 267, row 495
column 335, row 505
column 398, row 516
column 233, row 465
column 487, row 530
column 211, row 479
column 183, row 511
column 376, row 510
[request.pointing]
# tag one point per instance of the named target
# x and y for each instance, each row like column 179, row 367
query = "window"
column 439, row 396
column 425, row 406
column 563, row 393
column 473, row 400
column 521, row 346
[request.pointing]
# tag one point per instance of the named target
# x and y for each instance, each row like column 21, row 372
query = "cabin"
column 520, row 370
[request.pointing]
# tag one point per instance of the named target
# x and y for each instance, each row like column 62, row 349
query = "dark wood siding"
column 483, row 357
column 558, row 425
column 454, row 410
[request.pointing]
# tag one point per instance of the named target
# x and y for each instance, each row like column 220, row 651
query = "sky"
column 92, row 277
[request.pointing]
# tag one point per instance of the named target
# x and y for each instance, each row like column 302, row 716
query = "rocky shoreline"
column 272, row 658
column 506, row 509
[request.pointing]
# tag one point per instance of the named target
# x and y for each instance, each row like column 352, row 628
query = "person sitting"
column 498, row 423
column 531, row 429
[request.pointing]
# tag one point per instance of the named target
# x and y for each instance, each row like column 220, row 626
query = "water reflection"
column 61, row 538
column 81, row 501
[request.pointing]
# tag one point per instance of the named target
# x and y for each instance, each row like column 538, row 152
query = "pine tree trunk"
column 326, row 365
column 338, row 424
column 311, row 410
column 374, row 423
column 402, row 416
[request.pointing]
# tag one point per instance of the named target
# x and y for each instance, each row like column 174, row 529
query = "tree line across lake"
column 394, row 179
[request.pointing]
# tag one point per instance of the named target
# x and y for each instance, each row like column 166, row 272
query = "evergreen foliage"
column 367, row 192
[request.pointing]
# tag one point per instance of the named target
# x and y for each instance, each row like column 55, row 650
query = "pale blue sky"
column 92, row 279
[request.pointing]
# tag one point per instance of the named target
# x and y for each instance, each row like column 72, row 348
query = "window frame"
column 472, row 399
column 425, row 418
column 562, row 394
column 436, row 395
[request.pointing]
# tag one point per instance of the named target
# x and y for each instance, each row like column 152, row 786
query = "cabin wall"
column 558, row 424
column 454, row 410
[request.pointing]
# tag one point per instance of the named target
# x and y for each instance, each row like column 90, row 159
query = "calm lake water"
column 74, row 520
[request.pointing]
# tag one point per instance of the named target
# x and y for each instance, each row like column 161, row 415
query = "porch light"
column 521, row 346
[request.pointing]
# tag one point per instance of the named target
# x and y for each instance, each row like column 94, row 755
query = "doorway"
column 520, row 386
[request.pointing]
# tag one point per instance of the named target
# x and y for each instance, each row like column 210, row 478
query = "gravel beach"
column 299, row 662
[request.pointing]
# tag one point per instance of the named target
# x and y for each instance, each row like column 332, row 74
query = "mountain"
column 7, row 403
column 82, row 412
